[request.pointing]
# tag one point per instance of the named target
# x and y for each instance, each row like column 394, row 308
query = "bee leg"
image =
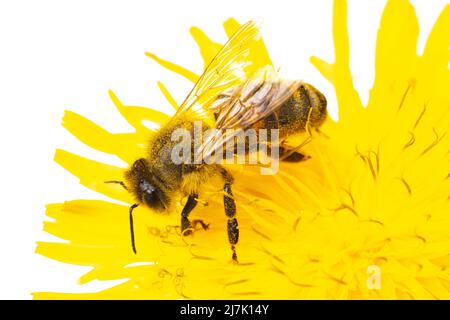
column 290, row 155
column 196, row 222
column 186, row 226
column 230, row 211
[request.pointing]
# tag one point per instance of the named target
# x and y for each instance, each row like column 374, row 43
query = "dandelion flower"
column 374, row 195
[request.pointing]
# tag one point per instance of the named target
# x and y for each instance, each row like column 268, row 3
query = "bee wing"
column 230, row 67
column 235, row 90
column 245, row 105
column 255, row 99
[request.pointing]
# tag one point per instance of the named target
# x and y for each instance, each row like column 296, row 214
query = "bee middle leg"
column 186, row 226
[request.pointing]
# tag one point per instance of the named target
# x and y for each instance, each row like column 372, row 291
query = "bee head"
column 144, row 186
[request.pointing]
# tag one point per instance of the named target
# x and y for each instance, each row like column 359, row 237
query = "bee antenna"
column 133, row 244
column 118, row 182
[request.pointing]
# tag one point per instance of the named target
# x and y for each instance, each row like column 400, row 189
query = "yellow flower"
column 368, row 216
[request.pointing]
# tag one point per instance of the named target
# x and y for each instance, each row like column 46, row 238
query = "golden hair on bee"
column 234, row 95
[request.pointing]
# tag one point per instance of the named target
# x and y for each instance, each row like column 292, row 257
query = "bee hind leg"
column 230, row 211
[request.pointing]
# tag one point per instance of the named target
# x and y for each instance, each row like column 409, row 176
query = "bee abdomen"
column 306, row 105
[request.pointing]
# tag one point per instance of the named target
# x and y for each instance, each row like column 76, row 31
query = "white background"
column 57, row 55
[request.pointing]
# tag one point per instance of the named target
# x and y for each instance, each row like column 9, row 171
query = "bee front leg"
column 230, row 211
column 191, row 203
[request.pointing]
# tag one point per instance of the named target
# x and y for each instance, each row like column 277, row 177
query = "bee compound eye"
column 151, row 198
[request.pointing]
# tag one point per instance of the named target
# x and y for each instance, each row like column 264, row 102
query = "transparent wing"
column 242, row 106
column 258, row 97
column 229, row 68
column 235, row 90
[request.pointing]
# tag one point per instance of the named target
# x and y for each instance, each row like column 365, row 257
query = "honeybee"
column 235, row 92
